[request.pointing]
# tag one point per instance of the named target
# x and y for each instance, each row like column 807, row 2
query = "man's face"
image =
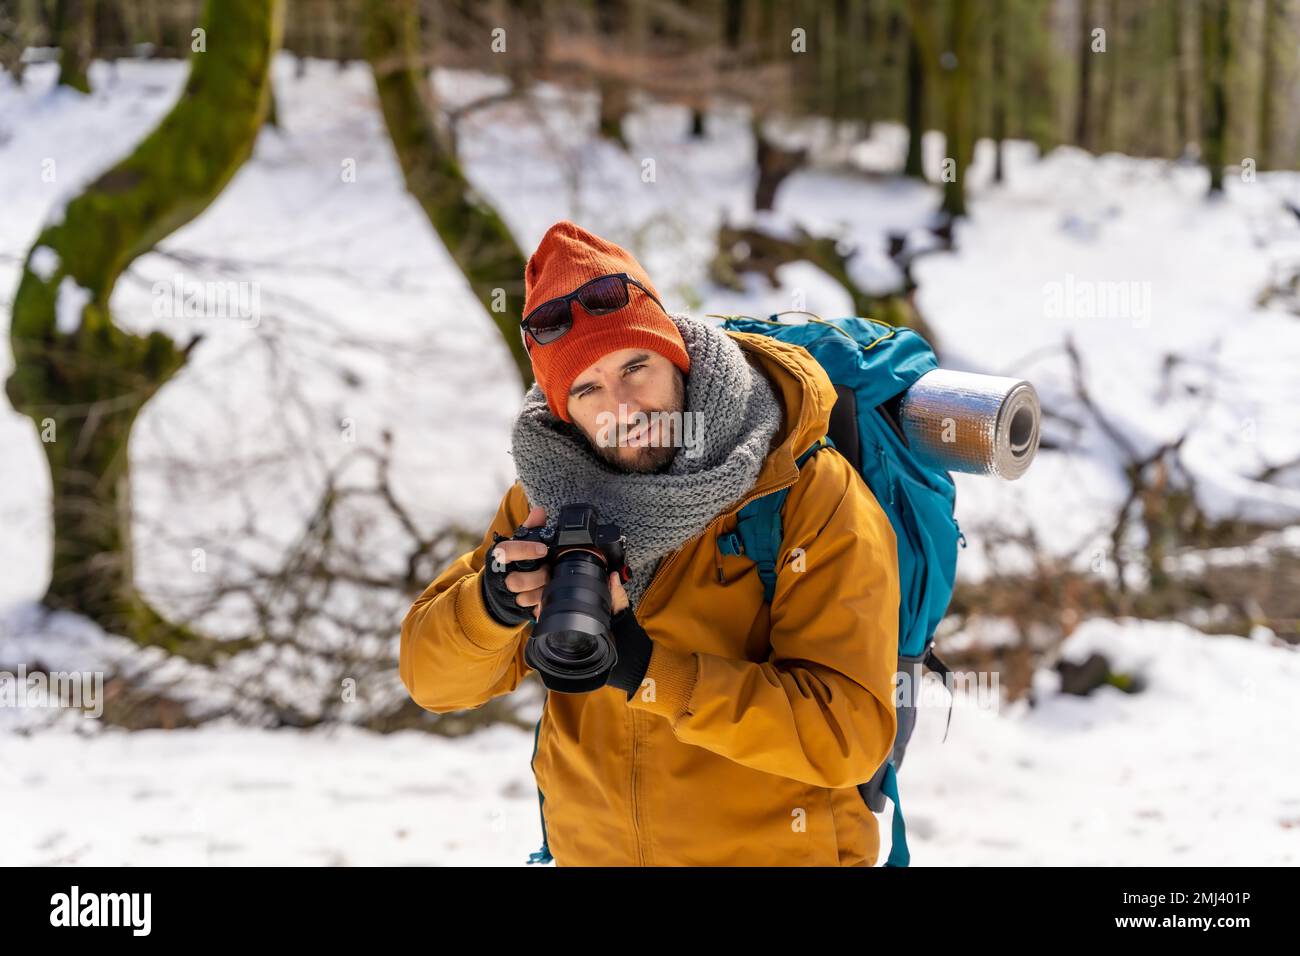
column 614, row 400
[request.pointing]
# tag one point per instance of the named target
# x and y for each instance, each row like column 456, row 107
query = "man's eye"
column 632, row 368
column 587, row 391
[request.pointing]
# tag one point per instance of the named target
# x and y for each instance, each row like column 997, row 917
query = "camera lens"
column 573, row 647
column 570, row 644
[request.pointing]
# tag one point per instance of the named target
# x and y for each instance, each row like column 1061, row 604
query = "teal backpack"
column 871, row 365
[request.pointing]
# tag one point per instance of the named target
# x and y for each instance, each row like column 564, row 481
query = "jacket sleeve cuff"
column 479, row 627
column 668, row 684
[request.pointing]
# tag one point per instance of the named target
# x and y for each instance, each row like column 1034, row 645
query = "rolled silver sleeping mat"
column 979, row 424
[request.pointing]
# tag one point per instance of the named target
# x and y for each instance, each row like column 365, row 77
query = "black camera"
column 570, row 645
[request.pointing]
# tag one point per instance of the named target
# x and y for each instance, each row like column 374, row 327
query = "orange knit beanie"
column 568, row 256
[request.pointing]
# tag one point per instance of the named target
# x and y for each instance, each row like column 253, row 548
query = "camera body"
column 570, row 645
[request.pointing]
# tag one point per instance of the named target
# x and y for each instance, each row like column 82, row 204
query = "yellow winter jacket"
column 754, row 725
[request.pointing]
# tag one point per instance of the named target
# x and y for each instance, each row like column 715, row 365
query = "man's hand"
column 616, row 592
column 633, row 643
column 514, row 596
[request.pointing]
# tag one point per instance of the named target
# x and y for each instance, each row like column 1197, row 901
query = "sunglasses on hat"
column 600, row 296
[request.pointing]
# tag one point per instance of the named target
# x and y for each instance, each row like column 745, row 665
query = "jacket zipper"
column 658, row 576
column 636, row 816
column 544, row 854
column 889, row 474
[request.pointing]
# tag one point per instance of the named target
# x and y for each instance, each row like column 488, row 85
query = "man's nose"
column 628, row 406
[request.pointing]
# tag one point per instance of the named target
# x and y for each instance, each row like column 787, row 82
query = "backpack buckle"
column 730, row 543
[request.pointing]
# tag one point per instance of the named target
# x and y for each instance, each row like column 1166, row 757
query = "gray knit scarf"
column 736, row 413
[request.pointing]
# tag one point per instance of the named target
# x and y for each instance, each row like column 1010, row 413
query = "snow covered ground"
column 229, row 795
column 363, row 319
column 1198, row 769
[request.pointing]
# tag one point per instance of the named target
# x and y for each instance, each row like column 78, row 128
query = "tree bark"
column 999, row 80
column 915, row 108
column 1268, row 78
column 1084, row 125
column 79, row 377
column 76, row 36
column 614, row 25
column 774, row 164
column 951, row 62
column 1106, row 136
column 1216, row 46
column 614, row 102
column 1182, row 128
column 474, row 234
column 18, row 31
column 959, row 96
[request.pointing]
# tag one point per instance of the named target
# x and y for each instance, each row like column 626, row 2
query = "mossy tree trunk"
column 79, row 377
column 76, row 36
column 948, row 52
column 475, row 235
column 959, row 99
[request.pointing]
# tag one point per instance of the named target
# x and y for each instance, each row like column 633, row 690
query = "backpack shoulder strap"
column 758, row 527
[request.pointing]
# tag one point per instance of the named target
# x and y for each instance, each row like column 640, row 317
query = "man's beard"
column 649, row 459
